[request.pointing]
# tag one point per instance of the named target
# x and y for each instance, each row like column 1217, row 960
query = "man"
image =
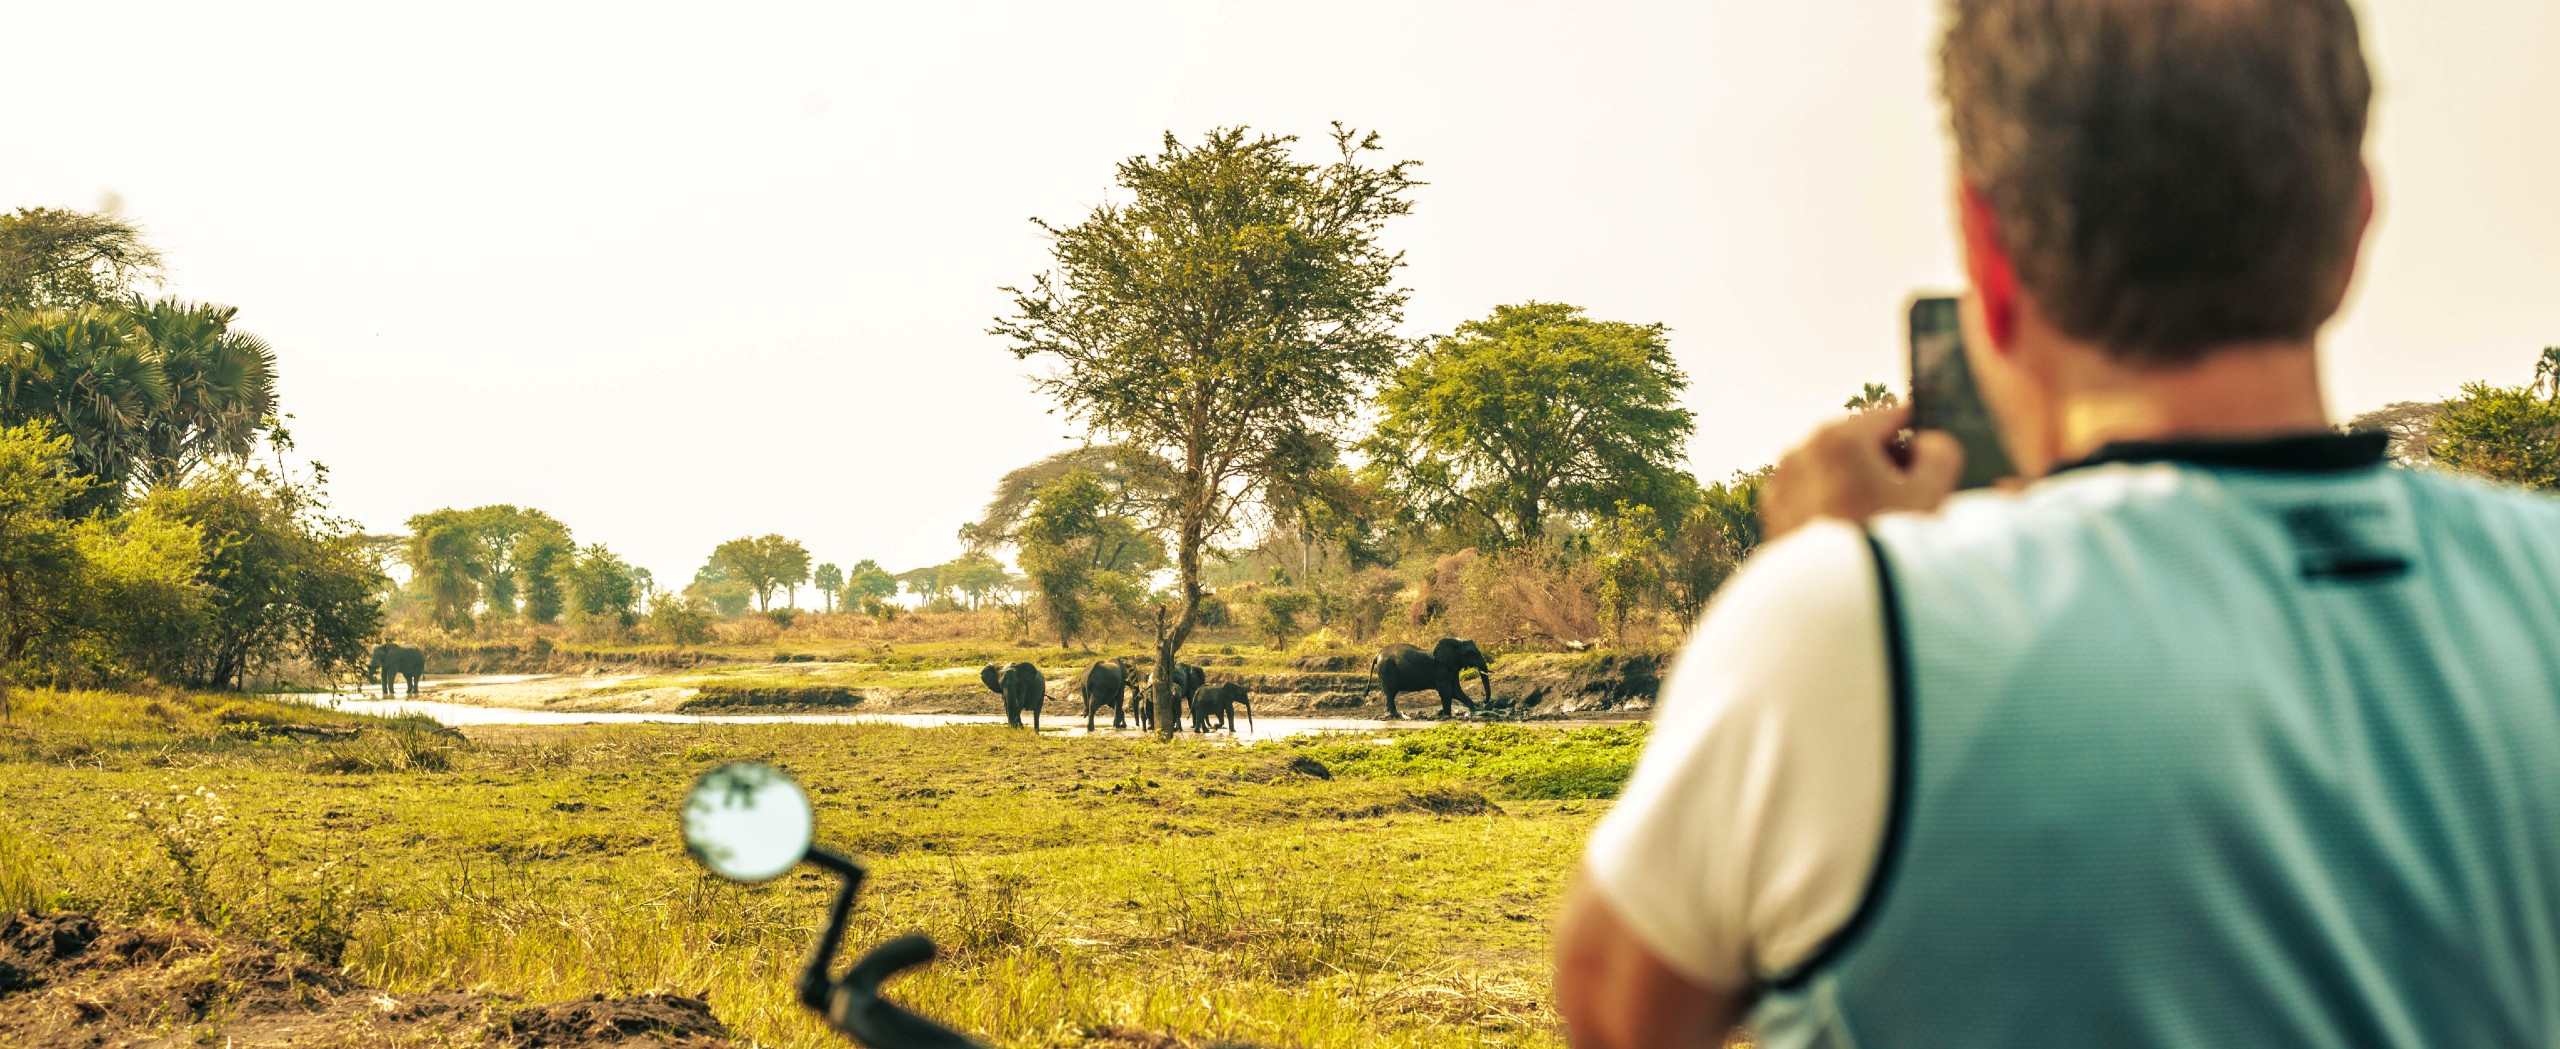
column 2219, row 732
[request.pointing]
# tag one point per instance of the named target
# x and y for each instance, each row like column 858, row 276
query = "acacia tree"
column 1134, row 480
column 868, row 587
column 1533, row 410
column 2411, row 425
column 59, row 257
column 767, row 564
column 1235, row 303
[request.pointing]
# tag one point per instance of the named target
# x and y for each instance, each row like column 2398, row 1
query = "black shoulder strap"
column 1897, row 809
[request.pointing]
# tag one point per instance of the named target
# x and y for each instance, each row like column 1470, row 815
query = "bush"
column 678, row 621
column 1280, row 611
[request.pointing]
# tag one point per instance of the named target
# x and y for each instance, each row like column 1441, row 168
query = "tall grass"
column 1080, row 889
column 1520, row 762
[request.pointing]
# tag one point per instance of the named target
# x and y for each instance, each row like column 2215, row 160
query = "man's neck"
column 2232, row 394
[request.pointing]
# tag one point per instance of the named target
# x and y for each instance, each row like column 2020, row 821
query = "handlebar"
column 853, row 1004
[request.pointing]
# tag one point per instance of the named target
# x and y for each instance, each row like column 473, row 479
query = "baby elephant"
column 1218, row 703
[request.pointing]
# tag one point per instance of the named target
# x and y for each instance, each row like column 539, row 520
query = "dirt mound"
column 649, row 1019
column 67, row 981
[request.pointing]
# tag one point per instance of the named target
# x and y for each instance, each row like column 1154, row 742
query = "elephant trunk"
column 1485, row 674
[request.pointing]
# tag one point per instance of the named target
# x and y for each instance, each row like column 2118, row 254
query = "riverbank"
column 1108, row 891
column 942, row 679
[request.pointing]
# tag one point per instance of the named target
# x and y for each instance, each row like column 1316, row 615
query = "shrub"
column 1281, row 608
column 678, row 621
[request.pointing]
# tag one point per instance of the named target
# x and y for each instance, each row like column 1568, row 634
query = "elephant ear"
column 989, row 675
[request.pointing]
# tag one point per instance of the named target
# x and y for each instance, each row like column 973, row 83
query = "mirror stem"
column 815, row 983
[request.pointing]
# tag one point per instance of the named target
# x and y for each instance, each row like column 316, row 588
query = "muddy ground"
column 68, row 981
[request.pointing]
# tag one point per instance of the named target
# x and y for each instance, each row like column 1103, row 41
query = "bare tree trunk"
column 1169, row 643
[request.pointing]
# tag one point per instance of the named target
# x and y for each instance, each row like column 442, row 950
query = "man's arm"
column 1615, row 994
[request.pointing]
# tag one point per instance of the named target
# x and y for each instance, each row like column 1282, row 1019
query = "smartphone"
column 1943, row 396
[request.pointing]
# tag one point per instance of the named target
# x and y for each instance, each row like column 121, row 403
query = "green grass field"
column 1086, row 891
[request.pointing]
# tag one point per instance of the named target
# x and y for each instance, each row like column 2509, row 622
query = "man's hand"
column 1847, row 470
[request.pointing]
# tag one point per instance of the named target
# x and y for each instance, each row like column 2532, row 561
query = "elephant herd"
column 1115, row 683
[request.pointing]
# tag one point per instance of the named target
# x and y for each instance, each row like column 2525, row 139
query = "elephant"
column 1404, row 668
column 1106, row 684
column 392, row 660
column 1187, row 679
column 1022, row 688
column 1217, row 703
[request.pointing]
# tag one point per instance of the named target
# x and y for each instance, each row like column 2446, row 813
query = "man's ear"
column 1986, row 264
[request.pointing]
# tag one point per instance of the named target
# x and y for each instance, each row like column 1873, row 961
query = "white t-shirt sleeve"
column 1745, row 837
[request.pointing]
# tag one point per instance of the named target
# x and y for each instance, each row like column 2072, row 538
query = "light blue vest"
column 2212, row 745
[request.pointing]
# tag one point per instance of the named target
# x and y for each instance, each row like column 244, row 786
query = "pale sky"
column 681, row 273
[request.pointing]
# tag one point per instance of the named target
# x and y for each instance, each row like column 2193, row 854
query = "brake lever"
column 853, row 1005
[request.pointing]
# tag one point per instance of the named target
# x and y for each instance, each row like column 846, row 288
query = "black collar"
column 2299, row 453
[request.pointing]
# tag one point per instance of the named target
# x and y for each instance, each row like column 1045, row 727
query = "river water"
column 459, row 714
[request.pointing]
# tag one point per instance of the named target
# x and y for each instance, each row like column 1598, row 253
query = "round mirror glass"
column 747, row 822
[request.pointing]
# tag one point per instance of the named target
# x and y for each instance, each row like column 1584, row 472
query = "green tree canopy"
column 52, row 257
column 713, row 586
column 2505, row 433
column 1058, row 537
column 1135, row 480
column 1234, row 299
column 91, row 374
column 979, row 578
column 220, row 382
column 2411, row 426
column 766, row 564
column 467, row 558
column 1873, row 395
column 602, row 588
column 38, row 559
column 829, row 579
column 286, row 580
column 1719, row 529
column 868, row 587
column 1534, row 410
column 145, row 389
column 542, row 560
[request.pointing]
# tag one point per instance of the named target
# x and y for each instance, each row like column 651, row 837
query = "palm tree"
column 1873, row 395
column 92, row 374
column 221, row 388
